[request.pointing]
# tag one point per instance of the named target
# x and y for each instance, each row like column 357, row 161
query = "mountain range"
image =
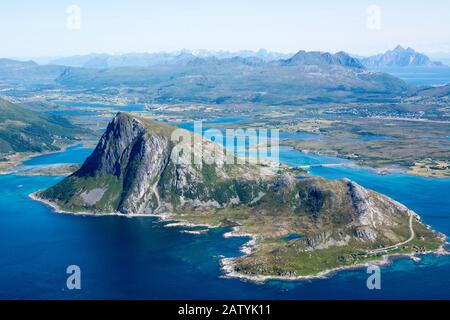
column 397, row 57
column 305, row 77
column 158, row 58
column 252, row 77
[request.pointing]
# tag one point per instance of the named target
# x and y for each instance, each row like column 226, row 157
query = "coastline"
column 163, row 217
column 22, row 157
column 384, row 170
column 227, row 265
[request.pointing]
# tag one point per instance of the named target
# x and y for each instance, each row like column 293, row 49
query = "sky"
column 32, row 28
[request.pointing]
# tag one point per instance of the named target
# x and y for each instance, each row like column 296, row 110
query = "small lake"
column 292, row 237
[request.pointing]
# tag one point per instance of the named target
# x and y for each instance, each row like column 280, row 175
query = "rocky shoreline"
column 20, row 158
column 228, row 264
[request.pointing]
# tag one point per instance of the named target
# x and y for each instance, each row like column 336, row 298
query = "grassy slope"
column 273, row 256
column 23, row 130
column 326, row 209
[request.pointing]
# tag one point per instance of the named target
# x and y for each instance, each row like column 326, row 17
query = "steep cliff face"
column 114, row 147
column 137, row 168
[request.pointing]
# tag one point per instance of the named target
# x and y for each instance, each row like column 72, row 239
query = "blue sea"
column 139, row 258
column 420, row 76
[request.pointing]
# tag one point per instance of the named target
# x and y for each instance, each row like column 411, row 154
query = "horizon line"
column 197, row 52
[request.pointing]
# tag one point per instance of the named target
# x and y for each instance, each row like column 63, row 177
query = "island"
column 298, row 226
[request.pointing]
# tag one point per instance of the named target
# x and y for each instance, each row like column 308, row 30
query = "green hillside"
column 23, row 130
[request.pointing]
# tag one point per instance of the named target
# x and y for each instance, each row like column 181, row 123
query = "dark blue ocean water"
column 139, row 258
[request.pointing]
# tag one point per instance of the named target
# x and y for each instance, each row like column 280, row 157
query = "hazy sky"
column 44, row 28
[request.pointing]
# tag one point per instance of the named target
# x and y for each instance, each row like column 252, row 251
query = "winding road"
column 395, row 246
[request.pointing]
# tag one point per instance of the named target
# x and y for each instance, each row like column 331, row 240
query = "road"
column 395, row 246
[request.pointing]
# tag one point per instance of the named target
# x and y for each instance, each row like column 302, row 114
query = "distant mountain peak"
column 400, row 57
column 323, row 59
column 399, row 48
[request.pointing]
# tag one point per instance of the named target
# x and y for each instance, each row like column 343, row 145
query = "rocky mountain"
column 323, row 59
column 400, row 57
column 134, row 169
column 306, row 77
column 137, row 168
column 24, row 130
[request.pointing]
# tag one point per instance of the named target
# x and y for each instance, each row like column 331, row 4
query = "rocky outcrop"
column 363, row 201
column 316, row 58
column 114, row 147
column 140, row 171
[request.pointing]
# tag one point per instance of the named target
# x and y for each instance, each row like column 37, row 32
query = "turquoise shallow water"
column 75, row 154
column 138, row 258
